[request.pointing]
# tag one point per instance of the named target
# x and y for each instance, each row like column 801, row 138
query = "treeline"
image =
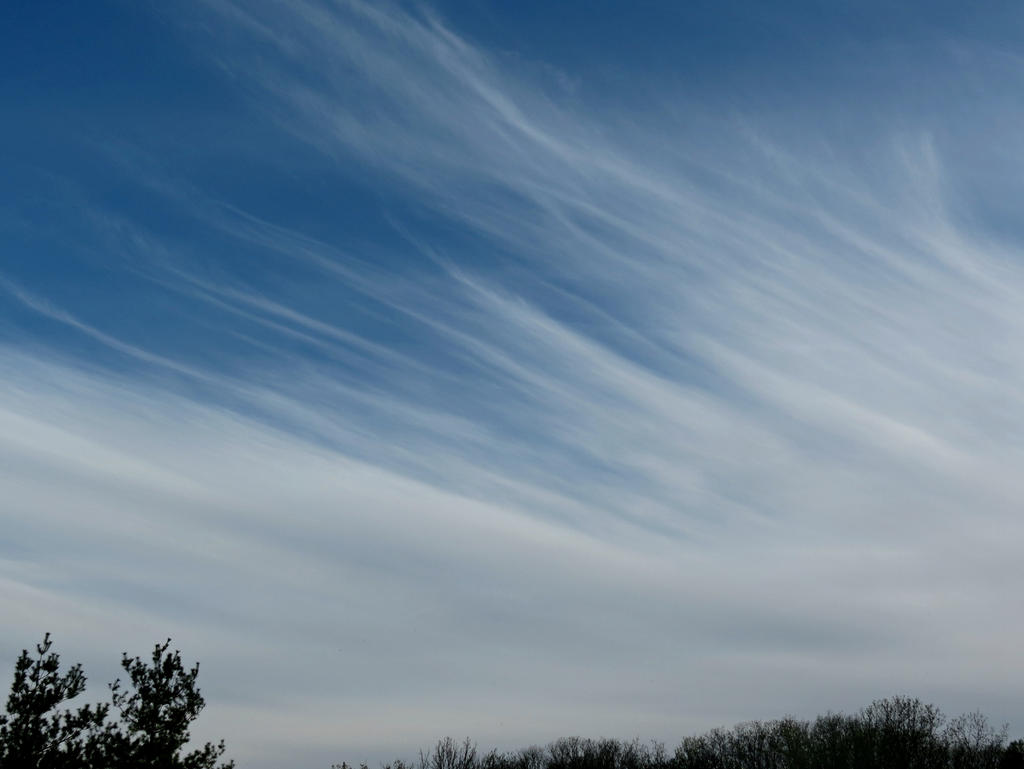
column 894, row 733
column 147, row 721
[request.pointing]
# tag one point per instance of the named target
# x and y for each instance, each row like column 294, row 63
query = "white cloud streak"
column 690, row 431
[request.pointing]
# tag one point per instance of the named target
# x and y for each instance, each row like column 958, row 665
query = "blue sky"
column 515, row 370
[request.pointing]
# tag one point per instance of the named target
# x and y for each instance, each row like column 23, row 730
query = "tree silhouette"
column 1013, row 756
column 33, row 732
column 156, row 710
column 897, row 732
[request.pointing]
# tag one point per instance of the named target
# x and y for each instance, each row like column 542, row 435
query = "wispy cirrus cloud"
column 632, row 423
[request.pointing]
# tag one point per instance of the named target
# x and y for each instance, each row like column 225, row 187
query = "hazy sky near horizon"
column 515, row 370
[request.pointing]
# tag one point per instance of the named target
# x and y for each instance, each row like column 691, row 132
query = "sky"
column 515, row 370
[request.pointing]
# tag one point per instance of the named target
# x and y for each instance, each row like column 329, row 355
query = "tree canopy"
column 145, row 726
column 894, row 733
column 147, row 721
